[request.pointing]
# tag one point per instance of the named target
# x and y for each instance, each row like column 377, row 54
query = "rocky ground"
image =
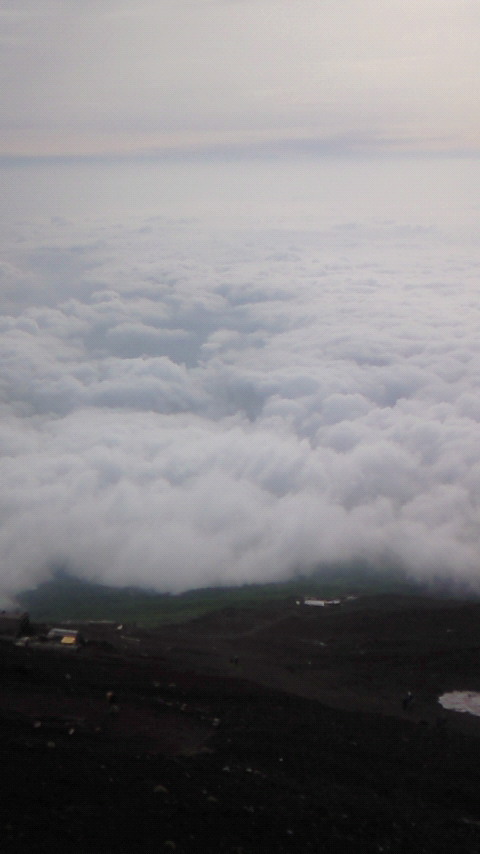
column 279, row 729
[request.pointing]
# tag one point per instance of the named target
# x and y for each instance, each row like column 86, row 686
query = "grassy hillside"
column 68, row 598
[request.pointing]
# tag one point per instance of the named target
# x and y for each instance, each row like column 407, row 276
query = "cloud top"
column 181, row 411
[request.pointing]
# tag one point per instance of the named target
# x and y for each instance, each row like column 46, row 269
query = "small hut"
column 65, row 637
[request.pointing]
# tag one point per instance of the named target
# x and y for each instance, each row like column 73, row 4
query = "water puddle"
column 461, row 701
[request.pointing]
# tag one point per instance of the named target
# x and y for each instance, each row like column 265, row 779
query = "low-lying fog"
column 223, row 372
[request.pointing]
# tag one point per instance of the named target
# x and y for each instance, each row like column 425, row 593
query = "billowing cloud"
column 183, row 405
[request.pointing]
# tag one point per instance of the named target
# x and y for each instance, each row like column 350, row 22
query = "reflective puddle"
column 461, row 701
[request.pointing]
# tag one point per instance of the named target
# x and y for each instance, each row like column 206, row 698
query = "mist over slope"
column 186, row 405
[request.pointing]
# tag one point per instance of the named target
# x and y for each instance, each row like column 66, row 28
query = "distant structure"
column 14, row 625
column 322, row 603
column 65, row 637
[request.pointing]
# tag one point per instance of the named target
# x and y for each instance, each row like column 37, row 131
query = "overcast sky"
column 260, row 352
column 134, row 76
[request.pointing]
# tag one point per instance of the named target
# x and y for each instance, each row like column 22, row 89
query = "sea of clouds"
column 183, row 405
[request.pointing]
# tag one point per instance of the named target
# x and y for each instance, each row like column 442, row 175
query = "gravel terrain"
column 281, row 729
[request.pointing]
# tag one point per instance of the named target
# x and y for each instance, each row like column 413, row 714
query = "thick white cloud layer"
column 183, row 405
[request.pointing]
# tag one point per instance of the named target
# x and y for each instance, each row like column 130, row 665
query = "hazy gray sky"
column 133, row 76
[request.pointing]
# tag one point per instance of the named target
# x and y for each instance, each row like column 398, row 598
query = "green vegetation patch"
column 66, row 597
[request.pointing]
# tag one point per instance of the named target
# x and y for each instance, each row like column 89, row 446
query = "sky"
column 106, row 77
column 239, row 262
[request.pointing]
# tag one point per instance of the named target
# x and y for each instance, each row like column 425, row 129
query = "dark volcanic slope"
column 247, row 731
